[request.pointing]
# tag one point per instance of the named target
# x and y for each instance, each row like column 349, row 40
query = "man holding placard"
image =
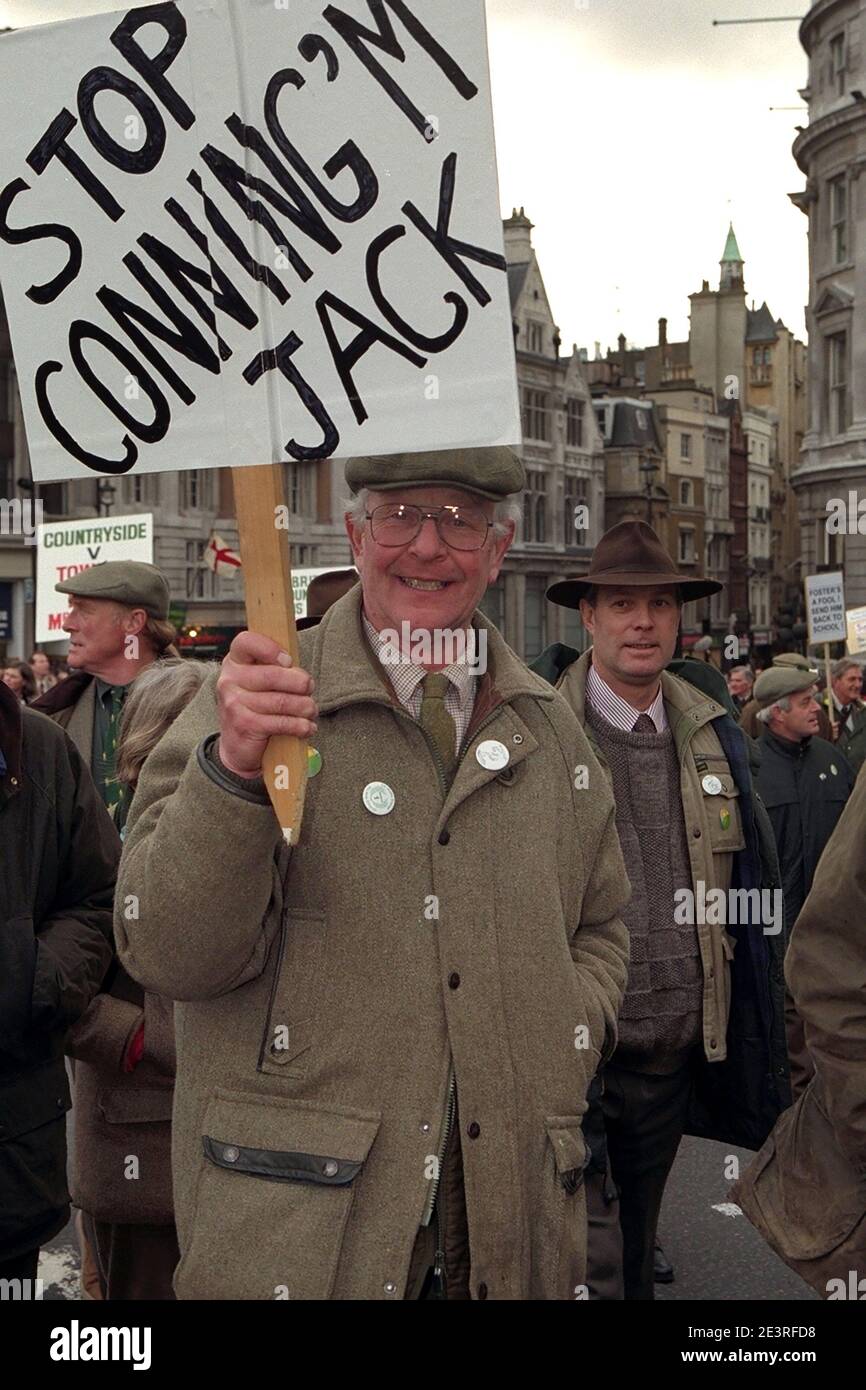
column 386, row 1036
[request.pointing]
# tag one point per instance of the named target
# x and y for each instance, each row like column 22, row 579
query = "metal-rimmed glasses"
column 397, row 523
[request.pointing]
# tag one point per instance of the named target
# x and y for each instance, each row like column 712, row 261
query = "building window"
column 535, row 508
column 685, row 493
column 838, row 63
column 687, row 546
column 535, row 614
column 536, row 417
column 685, row 446
column 195, row 569
column 839, row 218
column 600, row 420
column 575, row 496
column 837, row 382
column 535, row 337
column 574, row 424
column 195, row 489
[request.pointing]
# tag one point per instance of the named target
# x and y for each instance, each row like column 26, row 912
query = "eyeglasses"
column 461, row 528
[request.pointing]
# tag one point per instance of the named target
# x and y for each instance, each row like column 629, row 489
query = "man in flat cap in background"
column 118, row 626
column 804, row 782
column 686, row 817
column 749, row 716
column 385, row 1034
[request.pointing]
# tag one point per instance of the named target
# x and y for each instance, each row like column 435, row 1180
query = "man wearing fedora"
column 679, row 770
column 386, row 1032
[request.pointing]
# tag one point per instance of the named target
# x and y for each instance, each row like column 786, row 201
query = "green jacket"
column 851, row 742
column 324, row 990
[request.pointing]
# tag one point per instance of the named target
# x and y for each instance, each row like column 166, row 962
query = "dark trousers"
column 134, row 1262
column 22, row 1267
column 644, row 1119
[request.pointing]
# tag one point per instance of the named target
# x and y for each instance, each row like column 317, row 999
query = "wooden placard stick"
column 831, row 708
column 259, row 492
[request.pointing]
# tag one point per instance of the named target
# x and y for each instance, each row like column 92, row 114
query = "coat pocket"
column 295, row 994
column 803, row 1194
column 564, row 1209
column 276, row 1186
column 722, row 810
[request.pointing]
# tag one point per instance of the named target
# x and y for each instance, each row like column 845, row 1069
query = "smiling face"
column 425, row 582
column 634, row 633
column 847, row 687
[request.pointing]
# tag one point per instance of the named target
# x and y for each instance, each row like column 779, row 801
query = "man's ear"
column 587, row 615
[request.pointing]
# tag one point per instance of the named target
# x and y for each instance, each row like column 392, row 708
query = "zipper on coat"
column 439, row 1271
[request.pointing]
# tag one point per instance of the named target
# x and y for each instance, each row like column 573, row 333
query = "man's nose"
column 66, row 622
column 428, row 543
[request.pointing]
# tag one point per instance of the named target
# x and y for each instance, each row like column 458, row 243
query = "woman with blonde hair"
column 125, row 1062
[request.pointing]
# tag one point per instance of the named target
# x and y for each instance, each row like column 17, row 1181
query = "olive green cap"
column 495, row 472
column 778, row 681
column 123, row 581
column 795, row 660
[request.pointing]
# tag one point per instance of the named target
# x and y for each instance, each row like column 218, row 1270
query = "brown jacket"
column 322, row 998
column 806, row 1189
column 712, row 843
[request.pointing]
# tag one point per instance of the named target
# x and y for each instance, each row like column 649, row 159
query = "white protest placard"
column 238, row 232
column 825, row 608
column 856, row 624
column 300, row 584
column 65, row 548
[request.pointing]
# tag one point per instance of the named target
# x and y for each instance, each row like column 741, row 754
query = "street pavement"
column 715, row 1251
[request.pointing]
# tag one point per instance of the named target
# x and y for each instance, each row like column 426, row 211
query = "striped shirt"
column 406, row 680
column 618, row 711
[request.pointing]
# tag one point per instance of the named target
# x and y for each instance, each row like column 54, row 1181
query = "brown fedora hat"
column 627, row 555
column 323, row 590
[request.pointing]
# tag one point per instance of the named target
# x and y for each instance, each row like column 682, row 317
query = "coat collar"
column 347, row 673
column 11, row 738
column 687, row 708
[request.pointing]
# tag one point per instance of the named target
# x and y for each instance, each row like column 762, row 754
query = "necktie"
column 643, row 725
column 113, row 791
column 437, row 722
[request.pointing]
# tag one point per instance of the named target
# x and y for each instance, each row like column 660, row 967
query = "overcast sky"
column 632, row 133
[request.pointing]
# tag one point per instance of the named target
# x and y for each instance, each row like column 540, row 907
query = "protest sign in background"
column 825, row 608
column 65, row 548
column 241, row 231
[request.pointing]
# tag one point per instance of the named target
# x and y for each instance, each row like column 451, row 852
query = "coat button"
column 231, row 1154
column 331, row 1168
column 390, row 1288
column 454, row 980
column 482, row 1291
column 444, row 837
column 713, row 1043
column 696, row 832
column 474, row 1130
column 425, row 1128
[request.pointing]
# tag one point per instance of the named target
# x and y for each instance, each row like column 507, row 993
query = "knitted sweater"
column 660, row 1018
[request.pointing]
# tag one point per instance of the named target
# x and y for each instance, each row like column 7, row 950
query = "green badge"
column 725, row 818
column 314, row 762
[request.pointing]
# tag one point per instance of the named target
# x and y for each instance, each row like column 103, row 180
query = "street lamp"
column 106, row 493
column 649, row 470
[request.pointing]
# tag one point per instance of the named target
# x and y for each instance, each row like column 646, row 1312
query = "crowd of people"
column 443, row 1041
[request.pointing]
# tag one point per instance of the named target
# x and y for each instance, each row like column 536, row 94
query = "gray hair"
column 844, row 664
column 156, row 697
column 782, row 704
column 745, row 671
column 505, row 513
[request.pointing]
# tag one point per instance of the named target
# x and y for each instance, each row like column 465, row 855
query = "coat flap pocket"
column 136, row 1105
column 808, row 1195
column 565, row 1133
column 287, row 1140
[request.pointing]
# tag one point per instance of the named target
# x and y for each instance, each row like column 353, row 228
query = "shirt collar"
column 460, row 674
column 618, row 711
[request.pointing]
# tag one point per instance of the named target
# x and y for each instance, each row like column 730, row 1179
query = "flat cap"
column 124, row 581
column 703, row 644
column 495, row 473
column 795, row 660
column 778, row 681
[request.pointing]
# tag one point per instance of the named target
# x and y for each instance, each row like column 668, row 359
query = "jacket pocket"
column 722, row 811
column 295, row 992
column 136, row 1105
column 276, row 1186
column 807, row 1196
column 565, row 1208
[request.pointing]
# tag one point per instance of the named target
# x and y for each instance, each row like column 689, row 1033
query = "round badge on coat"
column 712, row 786
column 314, row 761
column 492, row 755
column 379, row 798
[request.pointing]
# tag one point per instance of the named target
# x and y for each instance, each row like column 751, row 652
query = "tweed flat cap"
column 495, row 473
column 778, row 681
column 795, row 660
column 124, row 581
